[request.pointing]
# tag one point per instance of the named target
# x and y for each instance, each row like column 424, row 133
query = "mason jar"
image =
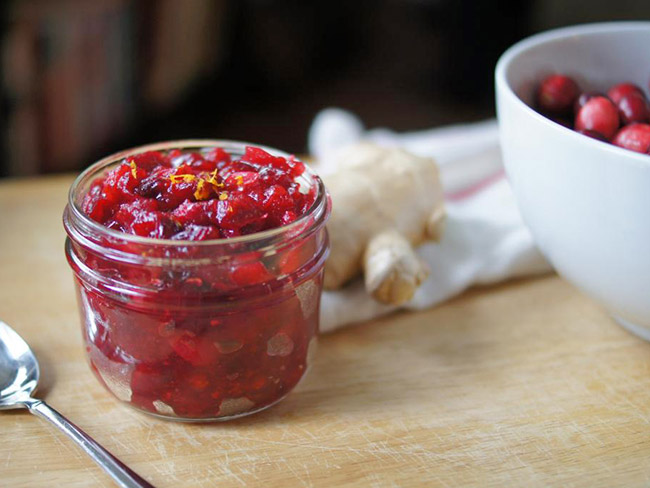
column 198, row 330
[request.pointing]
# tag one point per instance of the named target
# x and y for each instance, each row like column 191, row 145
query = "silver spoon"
column 18, row 379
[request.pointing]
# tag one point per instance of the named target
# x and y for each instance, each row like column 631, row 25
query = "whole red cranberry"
column 556, row 94
column 583, row 98
column 563, row 121
column 633, row 108
column 635, row 137
column 598, row 114
column 617, row 92
column 593, row 134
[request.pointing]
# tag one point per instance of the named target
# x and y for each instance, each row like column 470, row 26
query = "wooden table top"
column 528, row 384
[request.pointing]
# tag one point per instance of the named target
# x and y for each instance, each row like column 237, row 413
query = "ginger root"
column 385, row 202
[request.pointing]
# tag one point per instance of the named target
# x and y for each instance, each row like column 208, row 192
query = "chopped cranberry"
column 297, row 167
column 242, row 180
column 599, row 114
column 149, row 160
column 635, row 137
column 218, row 156
column 250, row 274
column 288, row 217
column 136, row 334
column 556, row 94
column 189, row 196
column 236, row 166
column 197, row 213
column 192, row 349
column 153, row 224
column 153, row 186
column 177, row 193
column 127, row 212
column 95, row 205
column 633, row 108
column 238, row 211
column 259, row 156
column 277, row 202
column 193, row 160
column 150, row 381
column 621, row 90
column 193, row 232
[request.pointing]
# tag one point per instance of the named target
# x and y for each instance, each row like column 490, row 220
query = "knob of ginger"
column 385, row 202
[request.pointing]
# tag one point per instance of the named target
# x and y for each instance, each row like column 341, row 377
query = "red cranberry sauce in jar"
column 198, row 269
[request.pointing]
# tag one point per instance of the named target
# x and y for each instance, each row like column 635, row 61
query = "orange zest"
column 205, row 184
column 202, row 191
column 182, row 178
column 212, row 179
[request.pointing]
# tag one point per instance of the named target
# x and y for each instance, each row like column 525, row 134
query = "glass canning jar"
column 198, row 330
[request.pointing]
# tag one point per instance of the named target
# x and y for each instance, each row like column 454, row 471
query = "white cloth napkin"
column 485, row 240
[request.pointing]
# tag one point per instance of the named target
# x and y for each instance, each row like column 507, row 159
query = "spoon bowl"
column 19, row 373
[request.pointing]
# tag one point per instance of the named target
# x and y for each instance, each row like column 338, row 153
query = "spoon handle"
column 122, row 475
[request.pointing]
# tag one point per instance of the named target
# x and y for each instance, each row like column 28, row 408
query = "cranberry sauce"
column 199, row 196
column 198, row 275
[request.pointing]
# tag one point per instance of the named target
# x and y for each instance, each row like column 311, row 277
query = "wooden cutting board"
column 527, row 384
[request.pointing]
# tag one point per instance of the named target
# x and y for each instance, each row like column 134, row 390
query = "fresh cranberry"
column 563, row 121
column 621, row 90
column 556, row 94
column 633, row 108
column 599, row 114
column 635, row 137
column 593, row 134
column 584, row 98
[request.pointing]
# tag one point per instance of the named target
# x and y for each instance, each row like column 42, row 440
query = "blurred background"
column 83, row 78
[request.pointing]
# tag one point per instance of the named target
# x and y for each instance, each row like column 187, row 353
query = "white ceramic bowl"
column 586, row 202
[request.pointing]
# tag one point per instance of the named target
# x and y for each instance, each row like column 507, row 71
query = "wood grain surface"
column 527, row 384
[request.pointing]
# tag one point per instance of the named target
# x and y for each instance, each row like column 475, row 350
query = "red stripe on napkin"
column 476, row 187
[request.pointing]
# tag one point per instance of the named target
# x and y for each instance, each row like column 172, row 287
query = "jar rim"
column 320, row 202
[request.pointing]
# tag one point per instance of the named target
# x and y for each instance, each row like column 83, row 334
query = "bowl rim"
column 504, row 89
